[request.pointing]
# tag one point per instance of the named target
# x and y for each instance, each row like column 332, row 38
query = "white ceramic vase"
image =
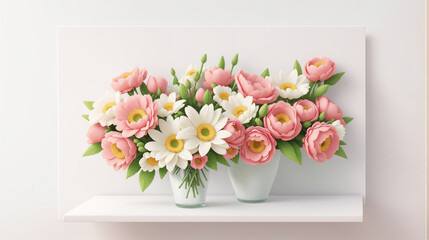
column 181, row 196
column 252, row 183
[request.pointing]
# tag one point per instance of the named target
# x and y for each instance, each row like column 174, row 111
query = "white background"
column 395, row 206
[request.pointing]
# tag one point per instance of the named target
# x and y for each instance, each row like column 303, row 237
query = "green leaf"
column 143, row 89
column 342, row 142
column 297, row 67
column 236, row 158
column 265, row 73
column 320, row 91
column 162, row 172
column 134, row 167
column 145, row 179
column 334, row 78
column 222, row 160
column 93, row 149
column 347, row 119
column 221, row 63
column 299, row 142
column 212, row 160
column 341, row 153
column 86, row 116
column 89, row 104
column 288, row 150
column 297, row 150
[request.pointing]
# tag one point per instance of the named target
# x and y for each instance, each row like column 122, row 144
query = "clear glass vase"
column 185, row 196
column 252, row 183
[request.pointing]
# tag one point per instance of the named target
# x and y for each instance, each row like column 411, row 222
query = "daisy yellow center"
column 168, row 106
column 206, row 132
column 285, row 86
column 198, row 161
column 305, row 107
column 224, row 96
column 151, row 161
column 239, row 110
column 108, row 106
column 127, row 74
column 257, row 146
column 230, row 150
column 283, row 118
column 325, row 144
column 174, row 145
column 116, row 151
column 319, row 63
column 191, row 72
column 136, row 115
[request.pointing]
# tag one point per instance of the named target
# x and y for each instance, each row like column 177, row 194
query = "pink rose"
column 319, row 69
column 306, row 110
column 127, row 81
column 236, row 129
column 261, row 89
column 136, row 115
column 199, row 95
column 199, row 162
column 282, row 121
column 153, row 83
column 231, row 152
column 219, row 76
column 259, row 146
column 95, row 133
column 321, row 141
column 331, row 110
column 119, row 151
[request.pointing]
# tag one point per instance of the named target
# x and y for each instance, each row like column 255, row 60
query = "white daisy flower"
column 104, row 109
column 168, row 105
column 148, row 163
column 292, row 86
column 222, row 93
column 240, row 107
column 341, row 130
column 204, row 130
column 189, row 75
column 167, row 148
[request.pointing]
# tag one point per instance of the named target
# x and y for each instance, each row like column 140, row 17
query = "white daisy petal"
column 185, row 155
column 187, row 133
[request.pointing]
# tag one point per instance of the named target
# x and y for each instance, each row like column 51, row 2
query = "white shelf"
column 220, row 208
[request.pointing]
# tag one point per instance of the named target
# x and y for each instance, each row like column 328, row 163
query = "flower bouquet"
column 210, row 116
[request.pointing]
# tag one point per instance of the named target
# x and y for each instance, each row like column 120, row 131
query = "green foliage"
column 89, row 104
column 265, row 73
column 207, row 98
column 221, row 63
column 259, row 122
column 289, row 150
column 347, row 119
column 342, row 142
column 143, row 89
column 334, row 78
column 145, row 179
column 263, row 111
column 93, row 149
column 187, row 84
column 162, row 172
column 204, row 58
column 134, row 166
column 297, row 67
column 234, row 60
column 322, row 116
column 306, row 124
column 212, row 160
column 236, row 158
column 183, row 91
column 173, row 72
column 320, row 91
column 340, row 152
column 220, row 159
column 86, row 116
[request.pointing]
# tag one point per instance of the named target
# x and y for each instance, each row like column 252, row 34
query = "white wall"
column 395, row 206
